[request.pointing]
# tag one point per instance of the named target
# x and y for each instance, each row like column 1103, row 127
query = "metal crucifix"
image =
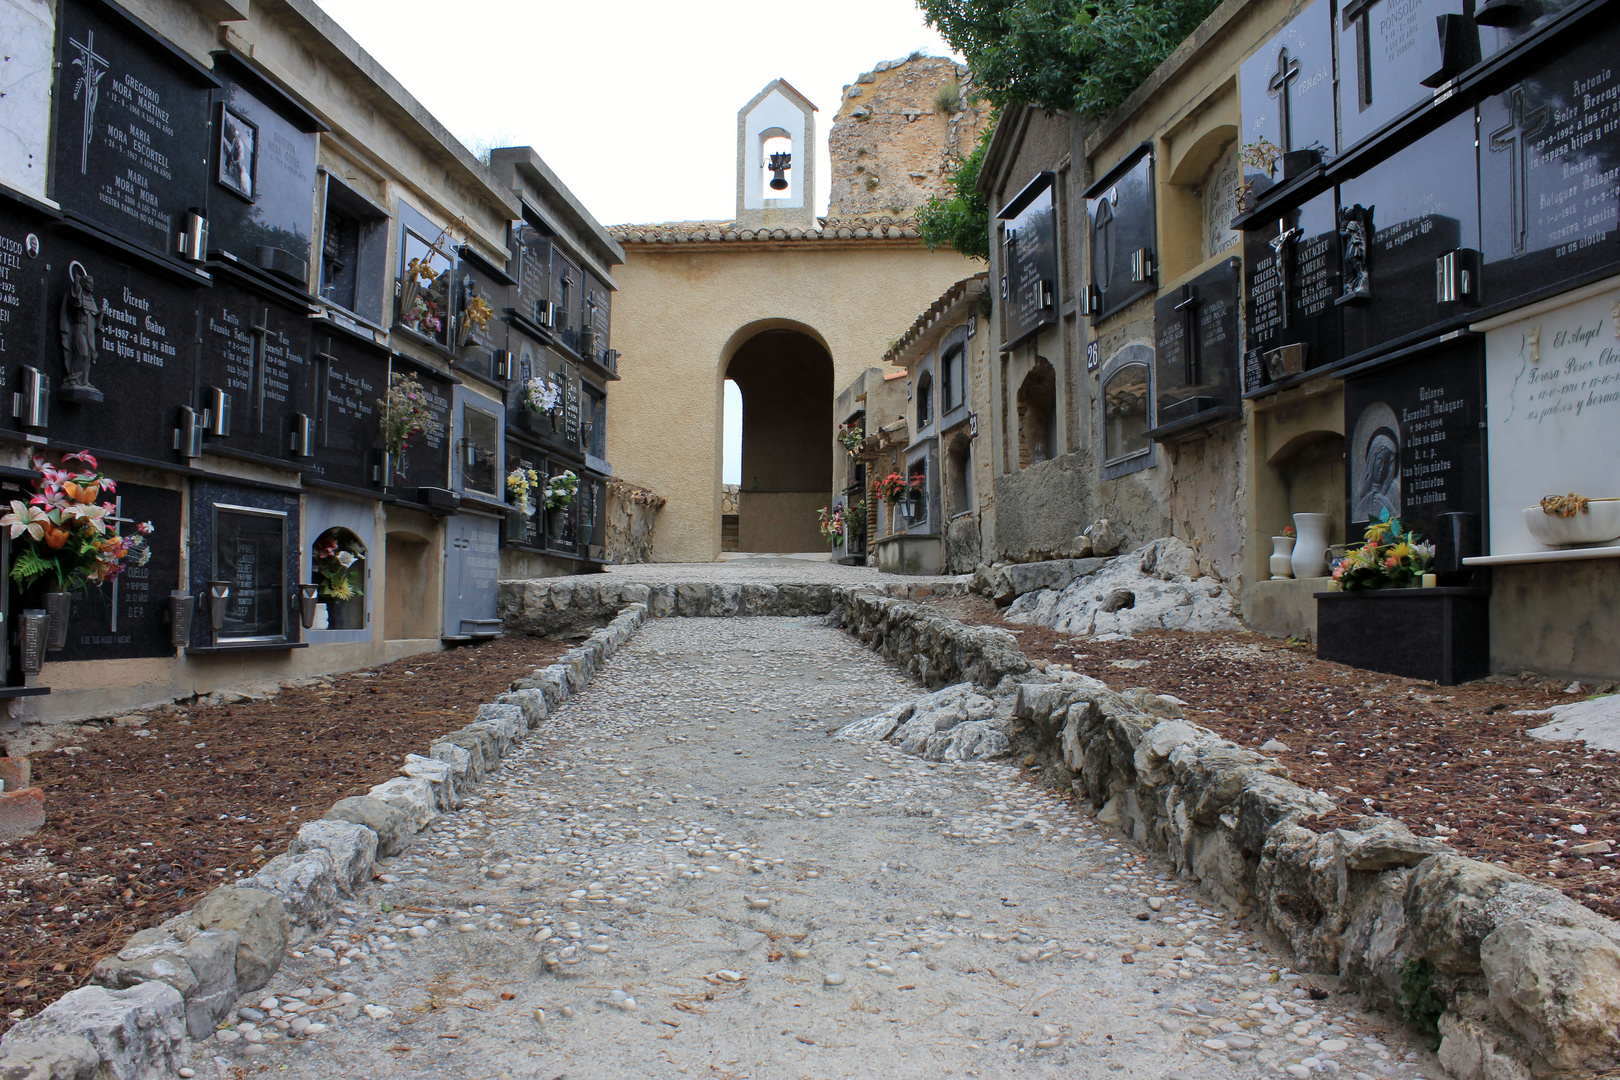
column 1281, row 246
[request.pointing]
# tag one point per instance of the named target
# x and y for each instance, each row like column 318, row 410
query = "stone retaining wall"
column 552, row 607
column 1530, row 979
column 176, row 981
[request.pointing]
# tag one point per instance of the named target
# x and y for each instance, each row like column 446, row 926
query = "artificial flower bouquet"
column 338, row 564
column 560, row 490
column 833, row 525
column 65, row 539
column 521, row 483
column 1390, row 557
column 541, row 395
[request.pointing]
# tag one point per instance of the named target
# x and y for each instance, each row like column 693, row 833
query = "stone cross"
column 1188, row 306
column 1512, row 139
column 1279, row 87
column 118, row 520
column 1359, row 13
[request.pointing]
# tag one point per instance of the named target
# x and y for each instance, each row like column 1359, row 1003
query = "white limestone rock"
column 351, row 848
column 1154, row 588
column 138, row 1033
column 306, row 884
column 412, row 797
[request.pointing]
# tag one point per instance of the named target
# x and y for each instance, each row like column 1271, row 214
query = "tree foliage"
column 961, row 221
column 1082, row 56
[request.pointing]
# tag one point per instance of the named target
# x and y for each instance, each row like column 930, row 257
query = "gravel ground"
column 683, row 874
column 1452, row 762
column 147, row 812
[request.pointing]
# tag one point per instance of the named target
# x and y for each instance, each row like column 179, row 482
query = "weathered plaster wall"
column 684, row 309
column 1562, row 618
column 1207, row 497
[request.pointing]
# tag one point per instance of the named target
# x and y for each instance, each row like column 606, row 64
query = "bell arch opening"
column 785, row 378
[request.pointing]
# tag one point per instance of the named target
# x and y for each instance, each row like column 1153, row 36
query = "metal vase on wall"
column 58, row 606
column 31, row 631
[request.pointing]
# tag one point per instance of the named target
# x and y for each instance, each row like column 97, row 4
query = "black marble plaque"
column 131, row 129
column 24, row 248
column 129, row 617
column 1029, row 262
column 267, row 222
column 1387, row 48
column 1291, row 277
column 1413, row 444
column 533, row 249
column 1287, row 93
column 146, row 345
column 477, row 345
column 567, row 298
column 1197, row 345
column 248, row 537
column 1120, row 214
column 597, row 317
column 1424, row 202
column 1549, row 168
column 257, row 351
column 426, row 460
column 350, row 380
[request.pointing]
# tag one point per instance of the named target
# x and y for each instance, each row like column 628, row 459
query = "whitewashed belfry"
column 776, row 170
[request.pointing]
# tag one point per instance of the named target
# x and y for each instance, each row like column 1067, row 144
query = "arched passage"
column 785, row 377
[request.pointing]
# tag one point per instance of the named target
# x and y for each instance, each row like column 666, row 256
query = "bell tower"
column 776, row 170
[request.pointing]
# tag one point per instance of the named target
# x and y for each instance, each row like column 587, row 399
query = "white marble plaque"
column 1221, row 203
column 28, row 31
column 1552, row 390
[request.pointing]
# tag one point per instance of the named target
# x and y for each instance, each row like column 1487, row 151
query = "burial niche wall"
column 411, row 587
column 1037, row 414
column 786, row 381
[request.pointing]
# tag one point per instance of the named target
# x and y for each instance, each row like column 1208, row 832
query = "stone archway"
column 785, row 375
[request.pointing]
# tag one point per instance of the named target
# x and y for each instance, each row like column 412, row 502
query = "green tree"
column 961, row 221
column 1082, row 56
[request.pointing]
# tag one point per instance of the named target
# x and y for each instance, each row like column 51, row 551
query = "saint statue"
column 1378, row 488
column 1355, row 230
column 82, row 319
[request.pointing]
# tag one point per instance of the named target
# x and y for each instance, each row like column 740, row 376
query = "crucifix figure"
column 1359, row 13
column 1280, row 88
column 1188, row 307
column 1281, row 247
column 1513, row 139
column 92, row 69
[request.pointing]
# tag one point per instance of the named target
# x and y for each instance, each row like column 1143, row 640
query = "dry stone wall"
column 1530, row 979
column 175, row 982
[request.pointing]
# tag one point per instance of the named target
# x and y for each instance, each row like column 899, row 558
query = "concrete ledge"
column 1283, row 608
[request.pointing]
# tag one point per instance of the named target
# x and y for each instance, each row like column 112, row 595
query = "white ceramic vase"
column 322, row 618
column 1282, row 550
column 1310, row 545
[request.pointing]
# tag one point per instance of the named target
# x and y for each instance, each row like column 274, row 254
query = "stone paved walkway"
column 684, row 874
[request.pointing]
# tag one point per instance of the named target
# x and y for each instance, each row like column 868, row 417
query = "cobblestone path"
column 684, row 874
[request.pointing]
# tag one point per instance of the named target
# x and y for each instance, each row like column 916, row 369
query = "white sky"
column 633, row 103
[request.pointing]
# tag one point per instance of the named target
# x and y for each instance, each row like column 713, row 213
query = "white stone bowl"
column 1599, row 525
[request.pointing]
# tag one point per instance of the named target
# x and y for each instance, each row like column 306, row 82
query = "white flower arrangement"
column 540, row 395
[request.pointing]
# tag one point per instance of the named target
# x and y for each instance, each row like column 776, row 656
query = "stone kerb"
column 1530, row 979
column 178, row 980
column 561, row 607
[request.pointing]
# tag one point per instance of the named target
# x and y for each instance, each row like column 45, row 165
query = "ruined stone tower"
column 901, row 130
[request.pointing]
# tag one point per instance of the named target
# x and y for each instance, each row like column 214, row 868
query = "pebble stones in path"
column 682, row 874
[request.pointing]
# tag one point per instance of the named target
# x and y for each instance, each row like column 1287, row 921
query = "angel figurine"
column 82, row 319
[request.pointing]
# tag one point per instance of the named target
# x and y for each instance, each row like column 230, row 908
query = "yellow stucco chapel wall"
column 683, row 309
